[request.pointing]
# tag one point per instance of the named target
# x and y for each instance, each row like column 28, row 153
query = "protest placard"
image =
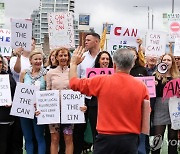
column 5, row 42
column 24, row 100
column 155, row 43
column 121, row 37
column 5, row 92
column 150, row 83
column 61, row 30
column 177, row 47
column 71, row 102
column 171, row 89
column 21, row 34
column 90, row 72
column 47, row 102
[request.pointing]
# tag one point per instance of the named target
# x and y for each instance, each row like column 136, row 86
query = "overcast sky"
column 119, row 12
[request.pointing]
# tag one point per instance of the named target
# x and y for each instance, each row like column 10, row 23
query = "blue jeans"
column 27, row 127
column 142, row 146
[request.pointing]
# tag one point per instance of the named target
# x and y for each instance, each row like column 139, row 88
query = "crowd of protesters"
column 113, row 103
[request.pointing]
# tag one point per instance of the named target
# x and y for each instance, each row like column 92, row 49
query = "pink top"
column 58, row 78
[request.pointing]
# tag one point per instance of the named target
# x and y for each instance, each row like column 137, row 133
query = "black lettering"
column 92, row 72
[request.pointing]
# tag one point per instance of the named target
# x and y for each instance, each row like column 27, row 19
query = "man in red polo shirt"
column 120, row 100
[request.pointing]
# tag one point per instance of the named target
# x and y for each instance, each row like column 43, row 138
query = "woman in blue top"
column 35, row 76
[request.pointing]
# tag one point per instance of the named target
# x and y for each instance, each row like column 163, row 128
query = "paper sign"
column 150, row 83
column 90, row 72
column 61, row 30
column 155, row 43
column 47, row 102
column 174, row 112
column 121, row 37
column 21, row 34
column 24, row 100
column 71, row 102
column 177, row 47
column 171, row 89
column 5, row 92
column 5, row 42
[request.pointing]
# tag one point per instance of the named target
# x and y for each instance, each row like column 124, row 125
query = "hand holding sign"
column 19, row 51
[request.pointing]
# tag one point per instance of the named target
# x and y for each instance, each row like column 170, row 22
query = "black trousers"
column 92, row 115
column 78, row 133
column 116, row 144
column 4, row 137
column 15, row 141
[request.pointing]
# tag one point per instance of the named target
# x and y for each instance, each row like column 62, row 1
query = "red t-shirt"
column 120, row 98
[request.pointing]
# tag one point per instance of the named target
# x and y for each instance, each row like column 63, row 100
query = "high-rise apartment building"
column 40, row 17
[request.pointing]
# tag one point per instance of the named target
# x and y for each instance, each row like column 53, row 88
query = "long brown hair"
column 49, row 62
column 174, row 72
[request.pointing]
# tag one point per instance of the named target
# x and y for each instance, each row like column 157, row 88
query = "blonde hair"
column 35, row 52
column 174, row 72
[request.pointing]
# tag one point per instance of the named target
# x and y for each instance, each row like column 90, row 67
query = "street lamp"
column 172, row 6
column 148, row 15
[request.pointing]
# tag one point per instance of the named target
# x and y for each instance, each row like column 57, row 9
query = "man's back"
column 122, row 95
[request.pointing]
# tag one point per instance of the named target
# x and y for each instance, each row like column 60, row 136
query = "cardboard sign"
column 150, row 83
column 155, row 43
column 47, row 102
column 5, row 42
column 171, row 89
column 24, row 100
column 71, row 102
column 21, row 34
column 177, row 47
column 90, row 72
column 121, row 37
column 5, row 92
column 61, row 30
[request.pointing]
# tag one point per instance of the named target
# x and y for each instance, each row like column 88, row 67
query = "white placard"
column 61, row 30
column 122, row 37
column 5, row 42
column 24, row 100
column 177, row 47
column 5, row 92
column 155, row 43
column 21, row 34
column 47, row 102
column 71, row 102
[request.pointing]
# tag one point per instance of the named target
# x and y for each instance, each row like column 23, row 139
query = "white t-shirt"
column 88, row 62
column 25, row 64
